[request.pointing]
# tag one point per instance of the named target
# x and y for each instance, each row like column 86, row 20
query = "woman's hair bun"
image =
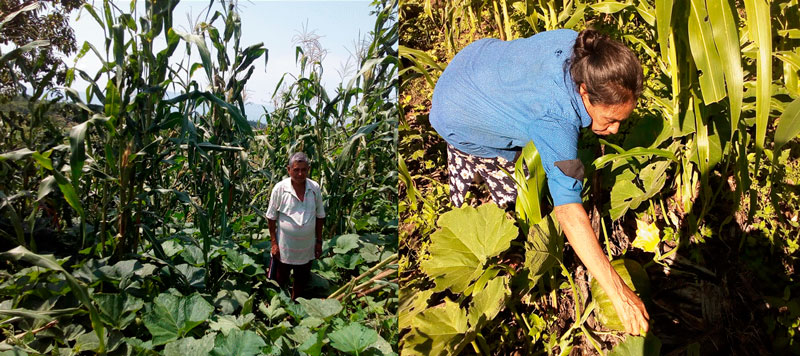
column 609, row 71
column 587, row 42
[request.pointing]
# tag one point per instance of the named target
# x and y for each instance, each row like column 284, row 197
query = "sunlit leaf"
column 466, row 239
column 789, row 125
column 443, row 328
column 544, row 248
column 647, row 236
column 489, row 301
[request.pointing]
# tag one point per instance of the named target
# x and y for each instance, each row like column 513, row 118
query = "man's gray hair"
column 298, row 157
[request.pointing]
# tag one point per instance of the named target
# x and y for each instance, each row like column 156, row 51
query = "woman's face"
column 606, row 118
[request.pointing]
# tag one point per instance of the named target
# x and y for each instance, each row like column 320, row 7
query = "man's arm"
column 318, row 234
column 272, row 225
column 576, row 225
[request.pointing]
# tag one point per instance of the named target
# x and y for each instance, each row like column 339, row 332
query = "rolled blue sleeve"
column 557, row 142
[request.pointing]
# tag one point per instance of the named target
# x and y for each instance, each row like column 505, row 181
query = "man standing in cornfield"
column 296, row 215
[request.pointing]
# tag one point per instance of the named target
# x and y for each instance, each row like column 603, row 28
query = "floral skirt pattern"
column 464, row 168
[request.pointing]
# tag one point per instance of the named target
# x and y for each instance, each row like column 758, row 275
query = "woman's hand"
column 318, row 249
column 631, row 311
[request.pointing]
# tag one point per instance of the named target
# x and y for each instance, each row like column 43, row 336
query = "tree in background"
column 47, row 21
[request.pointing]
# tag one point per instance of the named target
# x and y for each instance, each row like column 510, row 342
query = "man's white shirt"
column 296, row 220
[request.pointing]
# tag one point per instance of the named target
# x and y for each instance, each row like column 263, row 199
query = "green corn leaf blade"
column 321, row 308
column 609, row 7
column 705, row 54
column 466, row 239
column 205, row 55
column 77, row 136
column 238, row 119
column 701, row 138
column 353, row 339
column 43, row 161
column 16, row 155
column 760, row 28
column 68, row 190
column 7, row 18
column 601, row 162
column 118, row 36
column 791, row 58
column 488, row 302
column 648, row 345
column 647, row 13
column 792, row 33
column 17, row 52
column 443, row 327
column 788, row 126
column 726, row 38
column 238, row 343
column 634, row 276
column 81, row 293
column 172, row 316
column 543, row 249
column 663, row 26
column 41, row 314
column 529, row 189
column 117, row 310
column 46, row 186
column 190, row 346
column 576, row 17
column 91, row 10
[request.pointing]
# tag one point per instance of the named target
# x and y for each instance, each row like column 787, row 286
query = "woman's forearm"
column 630, row 309
column 575, row 224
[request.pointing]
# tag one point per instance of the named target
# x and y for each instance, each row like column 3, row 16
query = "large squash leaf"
column 489, row 301
column 238, row 343
column 441, row 330
column 466, row 239
column 353, row 339
column 544, row 247
column 321, row 308
column 118, row 310
column 173, row 316
column 634, row 276
column 190, row 346
column 412, row 302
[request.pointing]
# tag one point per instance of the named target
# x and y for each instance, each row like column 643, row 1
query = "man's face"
column 298, row 172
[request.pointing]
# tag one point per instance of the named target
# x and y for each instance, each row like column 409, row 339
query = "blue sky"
column 275, row 23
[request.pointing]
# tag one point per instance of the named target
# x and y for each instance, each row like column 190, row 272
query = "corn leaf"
column 705, row 53
column 788, row 126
